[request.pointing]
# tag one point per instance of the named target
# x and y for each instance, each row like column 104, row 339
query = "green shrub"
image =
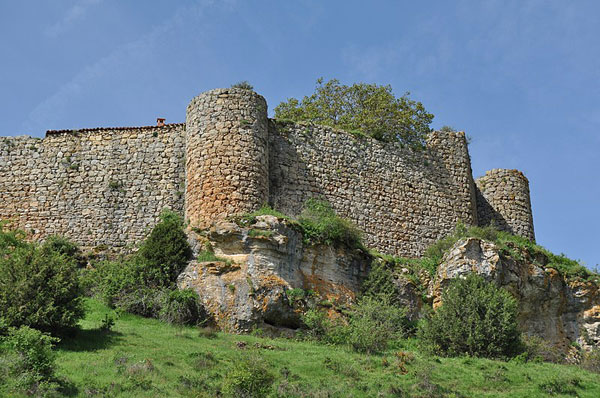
column 320, row 224
column 65, row 247
column 181, row 307
column 243, row 84
column 166, row 251
column 142, row 300
column 476, row 318
column 39, row 287
column 373, row 323
column 27, row 364
column 560, row 386
column 248, row 378
column 111, row 280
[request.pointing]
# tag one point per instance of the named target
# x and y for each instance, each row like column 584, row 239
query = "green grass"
column 144, row 357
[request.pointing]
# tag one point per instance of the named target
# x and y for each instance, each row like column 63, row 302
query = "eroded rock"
column 261, row 262
column 550, row 307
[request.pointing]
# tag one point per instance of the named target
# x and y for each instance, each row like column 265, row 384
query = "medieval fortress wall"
column 99, row 187
column 107, row 186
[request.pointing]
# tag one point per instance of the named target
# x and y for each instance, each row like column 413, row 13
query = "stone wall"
column 96, row 186
column 107, row 186
column 503, row 200
column 227, row 155
column 402, row 199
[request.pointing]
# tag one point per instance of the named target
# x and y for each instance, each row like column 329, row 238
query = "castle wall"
column 503, row 200
column 402, row 199
column 108, row 186
column 227, row 155
column 98, row 186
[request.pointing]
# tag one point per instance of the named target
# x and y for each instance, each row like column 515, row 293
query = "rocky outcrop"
column 262, row 263
column 558, row 310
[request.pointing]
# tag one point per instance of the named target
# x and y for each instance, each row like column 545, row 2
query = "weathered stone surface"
column 252, row 290
column 550, row 307
column 100, row 187
column 107, row 186
column 503, row 200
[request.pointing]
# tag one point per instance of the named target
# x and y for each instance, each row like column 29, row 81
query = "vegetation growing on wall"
column 369, row 108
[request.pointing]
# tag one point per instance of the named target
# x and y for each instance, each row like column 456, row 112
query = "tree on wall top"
column 370, row 108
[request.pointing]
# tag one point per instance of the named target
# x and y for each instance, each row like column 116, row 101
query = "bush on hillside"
column 39, row 286
column 144, row 284
column 27, row 363
column 374, row 322
column 166, row 251
column 476, row 318
column 248, row 378
column 181, row 307
column 369, row 327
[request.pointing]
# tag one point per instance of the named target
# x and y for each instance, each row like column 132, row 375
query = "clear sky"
column 522, row 78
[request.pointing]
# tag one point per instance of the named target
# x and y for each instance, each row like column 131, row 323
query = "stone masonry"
column 503, row 200
column 107, row 186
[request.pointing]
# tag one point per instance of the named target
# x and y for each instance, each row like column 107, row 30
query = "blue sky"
column 522, row 78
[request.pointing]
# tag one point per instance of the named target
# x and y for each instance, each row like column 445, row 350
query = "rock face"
column 264, row 261
column 559, row 311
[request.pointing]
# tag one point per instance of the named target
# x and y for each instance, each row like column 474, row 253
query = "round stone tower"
column 503, row 200
column 227, row 170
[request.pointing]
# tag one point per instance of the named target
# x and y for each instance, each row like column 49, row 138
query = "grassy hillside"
column 143, row 357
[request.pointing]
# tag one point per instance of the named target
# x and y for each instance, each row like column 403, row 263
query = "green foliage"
column 476, row 318
column 64, row 246
column 265, row 210
column 321, row 225
column 165, row 252
column 243, row 84
column 370, row 326
column 181, row 307
column 248, row 378
column 561, row 386
column 39, row 286
column 591, row 360
column 373, row 323
column 208, row 255
column 27, row 363
column 145, row 283
column 369, row 108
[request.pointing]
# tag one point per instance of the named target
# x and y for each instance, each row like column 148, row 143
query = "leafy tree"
column 476, row 318
column 370, row 108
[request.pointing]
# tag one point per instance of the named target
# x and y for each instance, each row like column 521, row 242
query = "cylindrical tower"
column 227, row 169
column 503, row 200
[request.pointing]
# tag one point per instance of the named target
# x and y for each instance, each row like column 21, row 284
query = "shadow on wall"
column 288, row 174
column 487, row 215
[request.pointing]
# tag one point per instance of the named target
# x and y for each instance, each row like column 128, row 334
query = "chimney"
column 160, row 122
